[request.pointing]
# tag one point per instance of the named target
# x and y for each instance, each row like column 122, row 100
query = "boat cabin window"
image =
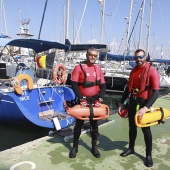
column 3, row 71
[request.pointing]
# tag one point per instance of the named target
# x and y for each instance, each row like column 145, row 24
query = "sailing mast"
column 2, row 9
column 141, row 24
column 67, row 19
column 76, row 39
column 102, row 19
column 148, row 37
column 128, row 28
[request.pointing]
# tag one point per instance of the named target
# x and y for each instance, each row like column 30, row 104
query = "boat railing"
column 41, row 77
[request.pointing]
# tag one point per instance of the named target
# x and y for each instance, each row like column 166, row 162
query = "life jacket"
column 143, row 79
column 87, row 79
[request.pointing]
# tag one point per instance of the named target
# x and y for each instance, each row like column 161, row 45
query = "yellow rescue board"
column 151, row 118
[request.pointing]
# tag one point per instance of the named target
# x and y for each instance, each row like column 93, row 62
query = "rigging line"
column 125, row 29
column 81, row 21
column 135, row 22
column 134, row 7
column 41, row 95
column 42, row 19
column 121, row 42
column 114, row 14
column 55, row 90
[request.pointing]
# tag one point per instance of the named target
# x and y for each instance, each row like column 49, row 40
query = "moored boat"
column 37, row 104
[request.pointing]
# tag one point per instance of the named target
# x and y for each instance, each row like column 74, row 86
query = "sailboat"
column 25, row 101
column 126, row 61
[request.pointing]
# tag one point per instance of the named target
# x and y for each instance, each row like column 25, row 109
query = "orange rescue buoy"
column 60, row 74
column 83, row 113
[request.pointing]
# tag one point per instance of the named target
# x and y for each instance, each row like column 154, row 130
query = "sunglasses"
column 92, row 55
column 139, row 57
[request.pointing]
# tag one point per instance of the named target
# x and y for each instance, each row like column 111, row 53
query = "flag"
column 46, row 61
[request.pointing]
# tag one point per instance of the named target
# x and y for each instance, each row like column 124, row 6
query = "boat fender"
column 56, row 123
column 18, row 79
column 60, row 74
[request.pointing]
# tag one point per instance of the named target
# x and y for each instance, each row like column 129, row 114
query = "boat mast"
column 42, row 19
column 3, row 15
column 141, row 24
column 102, row 19
column 73, row 27
column 128, row 28
column 148, row 37
column 81, row 21
column 162, row 51
column 67, row 19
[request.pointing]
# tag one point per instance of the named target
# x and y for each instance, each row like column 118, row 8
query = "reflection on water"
column 12, row 135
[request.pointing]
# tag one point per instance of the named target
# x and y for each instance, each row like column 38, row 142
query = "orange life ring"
column 21, row 77
column 60, row 74
column 83, row 113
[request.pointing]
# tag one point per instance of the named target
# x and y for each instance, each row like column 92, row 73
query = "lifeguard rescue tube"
column 21, row 77
column 150, row 118
column 60, row 74
column 83, row 113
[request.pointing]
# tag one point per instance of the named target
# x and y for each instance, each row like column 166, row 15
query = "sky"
column 85, row 22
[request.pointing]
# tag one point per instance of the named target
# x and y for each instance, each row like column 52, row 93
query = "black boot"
column 77, row 132
column 74, row 150
column 130, row 150
column 132, row 138
column 94, row 149
column 127, row 152
column 148, row 143
column 149, row 161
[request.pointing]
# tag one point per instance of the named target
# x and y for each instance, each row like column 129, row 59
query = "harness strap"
column 91, row 111
column 162, row 116
column 83, row 71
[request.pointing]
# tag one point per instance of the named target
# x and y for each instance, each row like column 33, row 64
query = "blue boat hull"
column 24, row 109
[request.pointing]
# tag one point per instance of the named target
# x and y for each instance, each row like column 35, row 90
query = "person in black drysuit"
column 144, row 85
column 88, row 84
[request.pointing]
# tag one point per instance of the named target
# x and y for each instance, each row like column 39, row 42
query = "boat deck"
column 51, row 152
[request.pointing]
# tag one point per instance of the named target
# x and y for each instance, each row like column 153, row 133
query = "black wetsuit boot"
column 132, row 138
column 148, row 142
column 129, row 151
column 74, row 150
column 77, row 132
column 94, row 150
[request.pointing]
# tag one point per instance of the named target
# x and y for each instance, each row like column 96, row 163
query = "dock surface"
column 51, row 152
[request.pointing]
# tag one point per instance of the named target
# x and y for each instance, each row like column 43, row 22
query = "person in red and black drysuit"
column 89, row 86
column 144, row 85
